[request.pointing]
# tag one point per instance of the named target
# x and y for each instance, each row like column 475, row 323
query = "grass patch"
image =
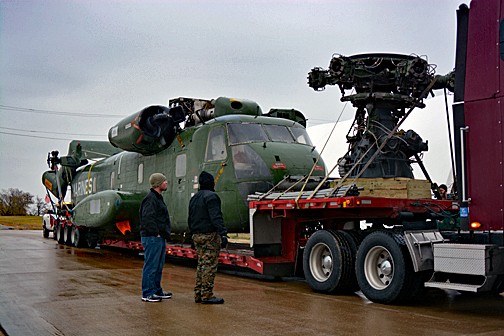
column 35, row 223
column 22, row 222
column 239, row 237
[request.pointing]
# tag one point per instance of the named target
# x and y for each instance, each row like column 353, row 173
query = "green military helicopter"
column 245, row 150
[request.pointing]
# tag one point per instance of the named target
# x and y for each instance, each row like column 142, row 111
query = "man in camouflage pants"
column 206, row 225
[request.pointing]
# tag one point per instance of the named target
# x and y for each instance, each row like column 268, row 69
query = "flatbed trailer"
column 236, row 255
column 288, row 224
column 390, row 247
column 383, row 246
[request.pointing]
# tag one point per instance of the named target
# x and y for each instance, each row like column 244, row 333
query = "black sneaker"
column 213, row 300
column 163, row 295
column 151, row 298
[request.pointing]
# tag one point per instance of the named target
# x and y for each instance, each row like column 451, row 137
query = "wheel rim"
column 379, row 267
column 321, row 262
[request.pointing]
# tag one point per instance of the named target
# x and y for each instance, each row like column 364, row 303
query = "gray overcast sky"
column 116, row 57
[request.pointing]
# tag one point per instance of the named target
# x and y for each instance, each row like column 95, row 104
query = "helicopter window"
column 301, row 135
column 140, row 174
column 216, row 145
column 180, row 165
column 241, row 133
column 279, row 133
column 247, row 163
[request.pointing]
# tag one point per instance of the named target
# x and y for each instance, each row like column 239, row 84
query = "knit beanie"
column 206, row 181
column 156, row 180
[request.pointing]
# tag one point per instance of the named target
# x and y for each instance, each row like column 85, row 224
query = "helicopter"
column 245, row 150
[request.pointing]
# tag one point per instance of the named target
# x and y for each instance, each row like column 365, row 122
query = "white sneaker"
column 163, row 295
column 151, row 298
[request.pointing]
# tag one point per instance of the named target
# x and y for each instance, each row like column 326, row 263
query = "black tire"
column 328, row 262
column 60, row 234
column 353, row 240
column 384, row 269
column 78, row 237
column 67, row 235
column 498, row 286
column 45, row 232
column 56, row 232
column 353, row 244
column 91, row 239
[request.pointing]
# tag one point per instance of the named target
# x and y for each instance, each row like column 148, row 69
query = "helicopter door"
column 217, row 163
column 180, row 173
column 180, row 193
column 216, row 152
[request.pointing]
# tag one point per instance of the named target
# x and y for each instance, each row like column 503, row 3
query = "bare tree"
column 39, row 206
column 14, row 202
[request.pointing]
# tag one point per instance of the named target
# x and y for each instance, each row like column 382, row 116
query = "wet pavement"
column 50, row 289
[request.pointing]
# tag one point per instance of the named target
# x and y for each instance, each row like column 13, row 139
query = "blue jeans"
column 154, row 260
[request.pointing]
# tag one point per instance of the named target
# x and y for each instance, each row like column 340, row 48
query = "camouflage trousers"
column 207, row 248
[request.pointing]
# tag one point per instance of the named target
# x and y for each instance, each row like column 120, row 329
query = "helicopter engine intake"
column 147, row 132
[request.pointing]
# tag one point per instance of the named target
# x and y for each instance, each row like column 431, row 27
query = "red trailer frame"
column 292, row 215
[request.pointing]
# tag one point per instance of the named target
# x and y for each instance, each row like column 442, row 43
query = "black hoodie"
column 205, row 215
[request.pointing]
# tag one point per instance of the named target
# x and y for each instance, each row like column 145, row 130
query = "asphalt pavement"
column 51, row 289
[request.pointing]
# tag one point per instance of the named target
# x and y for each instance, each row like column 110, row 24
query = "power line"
column 56, row 133
column 65, row 113
column 323, row 120
column 36, row 136
column 101, row 115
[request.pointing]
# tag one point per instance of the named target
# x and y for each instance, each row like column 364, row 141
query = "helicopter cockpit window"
column 247, row 163
column 243, row 133
column 301, row 135
column 279, row 133
column 216, row 145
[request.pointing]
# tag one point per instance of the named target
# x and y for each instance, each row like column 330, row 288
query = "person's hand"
column 224, row 241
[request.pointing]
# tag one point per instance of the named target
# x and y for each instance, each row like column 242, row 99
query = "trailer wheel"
column 353, row 243
column 499, row 286
column 67, row 235
column 55, row 231
column 78, row 236
column 60, row 234
column 384, row 269
column 45, row 232
column 91, row 239
column 328, row 262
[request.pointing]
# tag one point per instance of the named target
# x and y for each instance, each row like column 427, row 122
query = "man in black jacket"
column 154, row 230
column 209, row 234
